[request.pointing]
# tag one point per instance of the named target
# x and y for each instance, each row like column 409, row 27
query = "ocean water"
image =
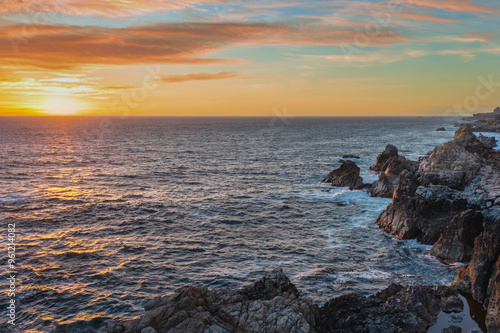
column 111, row 212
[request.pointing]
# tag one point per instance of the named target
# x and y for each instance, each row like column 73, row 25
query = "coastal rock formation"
column 462, row 174
column 481, row 276
column 455, row 163
column 270, row 305
column 383, row 188
column 395, row 309
column 450, row 202
column 485, row 122
column 390, row 165
column 457, row 239
column 441, row 129
column 273, row 304
column 351, row 156
column 489, row 142
column 390, row 162
column 347, row 175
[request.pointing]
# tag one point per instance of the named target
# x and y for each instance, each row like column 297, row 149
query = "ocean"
column 111, row 212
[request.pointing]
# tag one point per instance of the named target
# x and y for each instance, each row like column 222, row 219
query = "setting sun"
column 63, row 106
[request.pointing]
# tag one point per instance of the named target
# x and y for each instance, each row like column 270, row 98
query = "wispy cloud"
column 452, row 5
column 62, row 46
column 170, row 78
column 109, row 8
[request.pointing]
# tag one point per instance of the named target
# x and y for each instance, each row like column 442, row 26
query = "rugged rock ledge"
column 273, row 304
column 484, row 122
column 452, row 201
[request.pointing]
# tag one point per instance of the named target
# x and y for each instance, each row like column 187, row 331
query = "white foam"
column 492, row 134
column 342, row 277
column 13, row 198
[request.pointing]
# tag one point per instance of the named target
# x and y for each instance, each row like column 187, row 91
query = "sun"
column 63, row 106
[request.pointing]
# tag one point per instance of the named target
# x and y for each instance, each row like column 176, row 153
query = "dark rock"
column 347, row 175
column 457, row 239
column 455, row 163
column 395, row 309
column 441, row 129
column 489, row 142
column 481, row 276
column 384, row 158
column 391, row 163
column 274, row 284
column 383, row 187
column 484, row 122
column 351, row 156
column 270, row 305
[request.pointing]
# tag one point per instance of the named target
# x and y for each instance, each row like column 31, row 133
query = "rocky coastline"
column 484, row 122
column 449, row 199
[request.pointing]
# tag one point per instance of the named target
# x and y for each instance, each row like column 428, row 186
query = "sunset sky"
column 216, row 57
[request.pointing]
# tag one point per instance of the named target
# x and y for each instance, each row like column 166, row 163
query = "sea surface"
column 111, row 212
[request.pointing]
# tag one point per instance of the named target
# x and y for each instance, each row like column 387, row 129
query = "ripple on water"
column 159, row 203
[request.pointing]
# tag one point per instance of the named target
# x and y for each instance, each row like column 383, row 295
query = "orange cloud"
column 108, row 8
column 66, row 47
column 423, row 17
column 203, row 77
column 452, row 5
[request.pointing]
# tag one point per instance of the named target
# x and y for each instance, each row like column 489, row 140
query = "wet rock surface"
column 450, row 202
column 273, row 304
column 347, row 175
column 270, row 305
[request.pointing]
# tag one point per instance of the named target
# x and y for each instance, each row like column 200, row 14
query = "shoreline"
column 302, row 315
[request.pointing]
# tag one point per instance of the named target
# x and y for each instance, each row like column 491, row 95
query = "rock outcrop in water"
column 347, row 175
column 273, row 304
column 485, row 122
column 390, row 165
column 270, row 305
column 481, row 276
column 452, row 202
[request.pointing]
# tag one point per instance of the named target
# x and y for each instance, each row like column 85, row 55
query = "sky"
column 249, row 58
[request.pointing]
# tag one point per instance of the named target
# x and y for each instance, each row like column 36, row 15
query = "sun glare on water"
column 63, row 106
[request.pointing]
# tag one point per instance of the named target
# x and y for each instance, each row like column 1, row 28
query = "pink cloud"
column 174, row 43
column 109, row 8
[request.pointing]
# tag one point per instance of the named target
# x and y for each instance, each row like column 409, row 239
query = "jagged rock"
column 383, row 187
column 391, row 163
column 347, row 175
column 439, row 204
column 384, row 158
column 455, row 163
column 485, row 122
column 274, row 284
column 273, row 305
column 411, row 215
column 441, row 129
column 395, row 309
column 457, row 239
column 481, row 276
column 489, row 142
column 351, row 156
column 270, row 305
